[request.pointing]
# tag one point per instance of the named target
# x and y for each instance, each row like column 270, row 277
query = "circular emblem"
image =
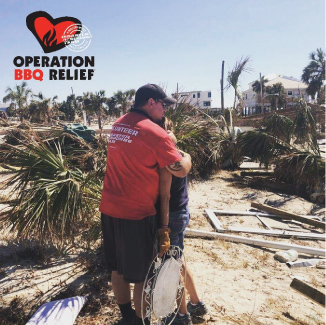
column 77, row 42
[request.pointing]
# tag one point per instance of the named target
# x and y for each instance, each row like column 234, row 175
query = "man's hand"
column 172, row 136
column 163, row 240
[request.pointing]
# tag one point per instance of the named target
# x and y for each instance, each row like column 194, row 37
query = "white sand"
column 239, row 283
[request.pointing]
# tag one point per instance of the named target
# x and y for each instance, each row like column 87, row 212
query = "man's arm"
column 181, row 168
column 163, row 231
column 165, row 187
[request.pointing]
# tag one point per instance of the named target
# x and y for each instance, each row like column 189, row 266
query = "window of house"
column 207, row 104
column 209, row 94
column 246, row 96
column 198, row 95
column 193, row 95
column 290, row 93
column 184, row 95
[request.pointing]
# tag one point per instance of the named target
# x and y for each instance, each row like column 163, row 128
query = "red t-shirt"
column 137, row 148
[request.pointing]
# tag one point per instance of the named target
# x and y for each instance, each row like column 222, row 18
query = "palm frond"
column 305, row 170
column 279, row 126
column 304, row 126
column 49, row 195
column 199, row 136
column 261, row 146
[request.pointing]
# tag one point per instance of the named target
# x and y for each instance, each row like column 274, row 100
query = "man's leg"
column 120, row 288
column 190, row 286
column 138, row 289
column 183, row 304
column 195, row 307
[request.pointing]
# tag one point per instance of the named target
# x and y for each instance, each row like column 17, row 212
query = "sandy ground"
column 242, row 284
column 239, row 283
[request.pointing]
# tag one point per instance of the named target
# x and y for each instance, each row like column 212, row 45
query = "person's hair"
column 166, row 124
column 141, row 103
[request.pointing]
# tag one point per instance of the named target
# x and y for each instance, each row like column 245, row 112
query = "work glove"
column 163, row 240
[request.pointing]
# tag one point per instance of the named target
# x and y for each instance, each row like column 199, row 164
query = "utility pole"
column 261, row 93
column 222, row 88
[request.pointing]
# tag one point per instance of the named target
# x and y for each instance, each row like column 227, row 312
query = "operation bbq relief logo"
column 54, row 35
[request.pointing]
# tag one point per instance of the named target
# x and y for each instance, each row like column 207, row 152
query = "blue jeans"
column 178, row 222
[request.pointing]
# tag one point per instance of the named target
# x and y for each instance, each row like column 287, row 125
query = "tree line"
column 37, row 108
column 41, row 109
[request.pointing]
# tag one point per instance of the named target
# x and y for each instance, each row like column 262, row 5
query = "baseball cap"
column 144, row 93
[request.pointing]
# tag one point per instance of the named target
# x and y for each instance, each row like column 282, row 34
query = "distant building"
column 293, row 88
column 200, row 99
column 3, row 112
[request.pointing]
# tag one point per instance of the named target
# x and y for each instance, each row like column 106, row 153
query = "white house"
column 200, row 99
column 294, row 89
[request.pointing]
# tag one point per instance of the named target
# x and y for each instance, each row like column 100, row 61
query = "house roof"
column 287, row 82
column 190, row 92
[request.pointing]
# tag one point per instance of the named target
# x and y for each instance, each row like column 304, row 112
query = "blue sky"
column 169, row 42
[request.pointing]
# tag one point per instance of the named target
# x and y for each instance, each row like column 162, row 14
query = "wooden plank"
column 287, row 215
column 257, row 242
column 253, row 168
column 272, row 184
column 257, row 173
column 308, row 291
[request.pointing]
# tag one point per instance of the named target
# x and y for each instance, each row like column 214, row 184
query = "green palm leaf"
column 50, row 194
column 261, row 146
column 279, row 126
column 305, row 170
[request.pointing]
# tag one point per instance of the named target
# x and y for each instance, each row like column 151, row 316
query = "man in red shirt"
column 137, row 148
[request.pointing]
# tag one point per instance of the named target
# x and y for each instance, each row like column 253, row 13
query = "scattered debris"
column 307, row 263
column 270, row 232
column 286, row 215
column 258, row 173
column 256, row 242
column 286, row 256
column 63, row 311
column 308, row 291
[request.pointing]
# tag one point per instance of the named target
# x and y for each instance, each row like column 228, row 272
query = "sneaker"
column 182, row 320
column 196, row 310
column 124, row 322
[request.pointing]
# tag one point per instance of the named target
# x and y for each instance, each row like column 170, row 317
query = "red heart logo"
column 52, row 33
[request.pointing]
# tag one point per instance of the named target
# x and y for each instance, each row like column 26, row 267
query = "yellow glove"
column 163, row 240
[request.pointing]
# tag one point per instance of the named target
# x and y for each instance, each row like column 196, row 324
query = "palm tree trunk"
column 235, row 98
column 21, row 115
column 222, row 88
column 99, row 119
